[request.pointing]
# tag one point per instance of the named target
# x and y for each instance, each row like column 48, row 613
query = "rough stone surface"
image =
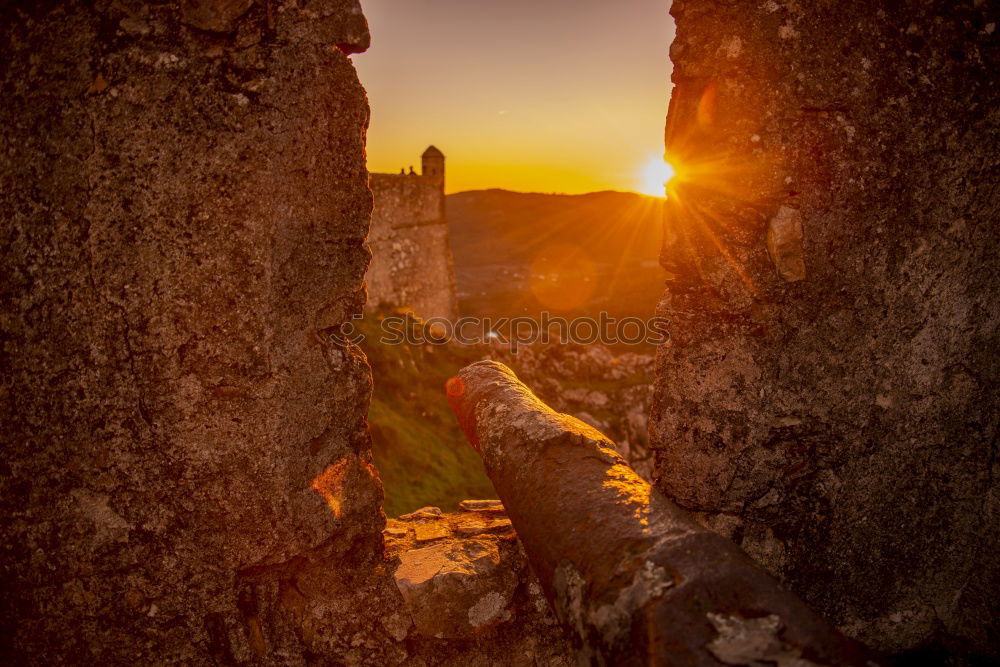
column 216, row 16
column 636, row 579
column 610, row 392
column 841, row 427
column 471, row 581
column 455, row 587
column 752, row 641
column 184, row 217
column 784, row 244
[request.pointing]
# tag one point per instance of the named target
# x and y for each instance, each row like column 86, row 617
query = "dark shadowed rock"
column 828, row 397
column 184, row 216
column 213, row 15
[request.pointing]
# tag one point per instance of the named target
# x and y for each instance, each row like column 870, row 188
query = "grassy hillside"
column 421, row 454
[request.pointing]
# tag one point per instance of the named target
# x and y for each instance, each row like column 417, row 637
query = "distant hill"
column 519, row 253
column 490, row 226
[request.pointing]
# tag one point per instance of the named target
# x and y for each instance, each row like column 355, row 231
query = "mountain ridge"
column 522, row 253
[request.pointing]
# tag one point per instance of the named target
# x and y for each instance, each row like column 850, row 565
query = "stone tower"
column 411, row 267
column 433, row 165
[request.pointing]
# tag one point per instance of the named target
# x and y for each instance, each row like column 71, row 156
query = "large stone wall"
column 411, row 266
column 184, row 217
column 187, row 473
column 829, row 395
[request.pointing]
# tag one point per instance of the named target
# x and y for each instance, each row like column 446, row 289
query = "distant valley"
column 522, row 253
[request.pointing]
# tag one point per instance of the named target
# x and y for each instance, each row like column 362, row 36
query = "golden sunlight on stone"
column 330, row 485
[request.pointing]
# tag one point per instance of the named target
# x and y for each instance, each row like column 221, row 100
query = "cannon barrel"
column 633, row 577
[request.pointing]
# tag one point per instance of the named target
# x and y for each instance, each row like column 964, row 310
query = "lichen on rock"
column 825, row 397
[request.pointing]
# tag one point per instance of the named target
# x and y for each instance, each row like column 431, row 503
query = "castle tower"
column 412, row 267
column 433, row 165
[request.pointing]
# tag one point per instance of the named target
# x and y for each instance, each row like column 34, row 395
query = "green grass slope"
column 421, row 454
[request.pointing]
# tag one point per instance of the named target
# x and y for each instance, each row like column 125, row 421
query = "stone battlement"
column 411, row 266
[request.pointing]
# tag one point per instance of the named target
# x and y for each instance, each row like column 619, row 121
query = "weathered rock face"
column 464, row 576
column 184, row 216
column 828, row 397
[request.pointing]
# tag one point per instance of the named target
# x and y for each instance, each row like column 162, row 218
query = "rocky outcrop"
column 185, row 206
column 454, row 587
column 827, row 396
column 464, row 576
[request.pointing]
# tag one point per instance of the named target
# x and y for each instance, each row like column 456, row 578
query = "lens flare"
column 563, row 277
column 655, row 176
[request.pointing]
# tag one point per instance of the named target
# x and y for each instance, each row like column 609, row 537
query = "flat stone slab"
column 485, row 506
column 458, row 573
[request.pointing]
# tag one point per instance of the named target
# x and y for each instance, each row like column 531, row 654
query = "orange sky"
column 540, row 95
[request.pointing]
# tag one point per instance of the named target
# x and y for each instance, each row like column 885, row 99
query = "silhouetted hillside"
column 490, row 226
column 521, row 253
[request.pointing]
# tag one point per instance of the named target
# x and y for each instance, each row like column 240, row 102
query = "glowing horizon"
column 565, row 96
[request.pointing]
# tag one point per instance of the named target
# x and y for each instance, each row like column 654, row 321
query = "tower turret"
column 433, row 165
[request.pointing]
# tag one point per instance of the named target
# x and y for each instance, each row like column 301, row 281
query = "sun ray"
column 656, row 173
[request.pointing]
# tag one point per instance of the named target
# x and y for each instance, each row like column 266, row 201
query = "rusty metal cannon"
column 634, row 577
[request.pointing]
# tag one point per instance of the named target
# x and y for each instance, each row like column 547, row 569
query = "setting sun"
column 655, row 175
